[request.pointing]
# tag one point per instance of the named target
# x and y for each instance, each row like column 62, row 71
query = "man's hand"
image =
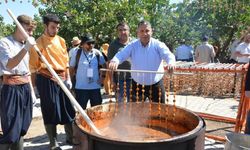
column 68, row 83
column 30, row 42
column 113, row 65
column 170, row 69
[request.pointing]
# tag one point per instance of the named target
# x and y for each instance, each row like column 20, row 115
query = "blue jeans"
column 121, row 90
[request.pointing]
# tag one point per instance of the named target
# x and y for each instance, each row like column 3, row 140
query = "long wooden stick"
column 147, row 71
column 60, row 82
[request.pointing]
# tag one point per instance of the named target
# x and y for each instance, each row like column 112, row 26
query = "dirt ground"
column 36, row 138
column 36, row 128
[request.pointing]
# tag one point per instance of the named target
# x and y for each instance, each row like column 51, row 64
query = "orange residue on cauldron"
column 142, row 125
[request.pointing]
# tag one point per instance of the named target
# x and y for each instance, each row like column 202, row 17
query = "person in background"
column 16, row 98
column 104, row 48
column 55, row 105
column 106, row 83
column 247, row 93
column 243, row 50
column 75, row 45
column 204, row 52
column 146, row 53
column 216, row 49
column 232, row 48
column 184, row 52
column 117, row 45
column 85, row 65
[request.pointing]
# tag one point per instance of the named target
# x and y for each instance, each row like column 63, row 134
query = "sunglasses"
column 91, row 43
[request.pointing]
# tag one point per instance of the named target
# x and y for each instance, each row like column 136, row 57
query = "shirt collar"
column 49, row 37
column 14, row 40
column 87, row 52
column 149, row 43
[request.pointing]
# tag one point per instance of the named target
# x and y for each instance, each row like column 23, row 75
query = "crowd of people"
column 79, row 69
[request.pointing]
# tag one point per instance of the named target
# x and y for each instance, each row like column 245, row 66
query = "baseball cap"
column 87, row 39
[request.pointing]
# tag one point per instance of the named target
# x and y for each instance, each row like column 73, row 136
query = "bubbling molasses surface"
column 134, row 133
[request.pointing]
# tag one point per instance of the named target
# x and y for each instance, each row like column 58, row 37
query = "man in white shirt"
column 243, row 50
column 16, row 97
column 232, row 48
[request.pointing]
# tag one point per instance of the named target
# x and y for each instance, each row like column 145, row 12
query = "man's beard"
column 52, row 35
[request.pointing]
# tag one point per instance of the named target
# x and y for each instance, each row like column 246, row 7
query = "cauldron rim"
column 179, row 138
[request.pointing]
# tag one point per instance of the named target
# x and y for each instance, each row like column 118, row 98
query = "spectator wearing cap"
column 16, row 97
column 84, row 65
column 55, row 104
column 204, row 52
column 75, row 45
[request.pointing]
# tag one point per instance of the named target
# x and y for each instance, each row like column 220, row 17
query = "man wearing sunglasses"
column 85, row 64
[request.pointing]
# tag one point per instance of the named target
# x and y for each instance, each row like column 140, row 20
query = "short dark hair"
column 121, row 24
column 51, row 18
column 144, row 22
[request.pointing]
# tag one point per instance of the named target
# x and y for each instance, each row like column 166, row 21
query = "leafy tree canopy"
column 221, row 20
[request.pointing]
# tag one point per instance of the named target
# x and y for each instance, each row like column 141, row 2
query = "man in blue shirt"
column 146, row 53
column 88, row 81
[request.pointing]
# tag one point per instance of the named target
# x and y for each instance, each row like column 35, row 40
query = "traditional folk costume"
column 55, row 105
column 16, row 99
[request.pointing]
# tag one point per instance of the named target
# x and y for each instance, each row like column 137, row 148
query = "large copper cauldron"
column 140, row 126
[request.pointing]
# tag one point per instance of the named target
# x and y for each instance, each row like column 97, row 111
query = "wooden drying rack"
column 239, row 121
